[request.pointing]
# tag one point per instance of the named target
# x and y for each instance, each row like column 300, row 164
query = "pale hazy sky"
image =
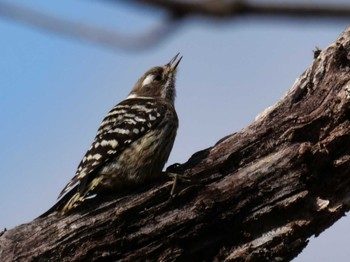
column 54, row 92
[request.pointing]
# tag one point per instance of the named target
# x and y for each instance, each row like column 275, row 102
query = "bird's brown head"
column 158, row 82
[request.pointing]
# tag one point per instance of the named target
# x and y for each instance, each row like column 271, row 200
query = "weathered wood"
column 257, row 195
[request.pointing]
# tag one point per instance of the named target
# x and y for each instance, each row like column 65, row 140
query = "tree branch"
column 257, row 195
column 234, row 8
column 87, row 33
column 177, row 11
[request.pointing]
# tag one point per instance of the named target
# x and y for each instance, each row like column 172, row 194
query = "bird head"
column 158, row 82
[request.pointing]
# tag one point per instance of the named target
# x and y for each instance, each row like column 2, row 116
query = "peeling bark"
column 257, row 195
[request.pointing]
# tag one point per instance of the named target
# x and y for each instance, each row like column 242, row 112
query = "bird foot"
column 176, row 179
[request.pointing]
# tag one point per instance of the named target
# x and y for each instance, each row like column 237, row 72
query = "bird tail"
column 66, row 203
column 72, row 203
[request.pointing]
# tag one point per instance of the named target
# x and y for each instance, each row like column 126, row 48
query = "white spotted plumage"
column 133, row 141
column 113, row 136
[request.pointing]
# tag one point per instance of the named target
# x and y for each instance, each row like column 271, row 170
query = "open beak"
column 174, row 62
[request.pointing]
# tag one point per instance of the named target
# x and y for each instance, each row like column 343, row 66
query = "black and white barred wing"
column 124, row 124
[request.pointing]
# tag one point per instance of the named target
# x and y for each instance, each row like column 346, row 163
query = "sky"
column 55, row 91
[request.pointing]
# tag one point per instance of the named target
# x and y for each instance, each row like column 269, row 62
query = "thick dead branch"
column 257, row 195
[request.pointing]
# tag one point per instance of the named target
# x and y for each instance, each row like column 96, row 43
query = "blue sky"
column 54, row 92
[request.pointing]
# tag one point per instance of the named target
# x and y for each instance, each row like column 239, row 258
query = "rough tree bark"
column 257, row 195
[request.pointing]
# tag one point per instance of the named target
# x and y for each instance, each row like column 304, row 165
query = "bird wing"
column 124, row 124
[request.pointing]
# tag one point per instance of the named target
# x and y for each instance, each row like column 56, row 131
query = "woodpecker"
column 133, row 142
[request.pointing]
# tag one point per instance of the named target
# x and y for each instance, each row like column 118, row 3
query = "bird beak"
column 174, row 62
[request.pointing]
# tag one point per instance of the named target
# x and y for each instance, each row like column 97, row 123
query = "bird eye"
column 158, row 78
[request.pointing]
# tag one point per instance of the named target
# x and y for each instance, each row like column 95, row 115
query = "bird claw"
column 176, row 179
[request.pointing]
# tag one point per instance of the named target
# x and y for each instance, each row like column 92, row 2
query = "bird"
column 133, row 142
